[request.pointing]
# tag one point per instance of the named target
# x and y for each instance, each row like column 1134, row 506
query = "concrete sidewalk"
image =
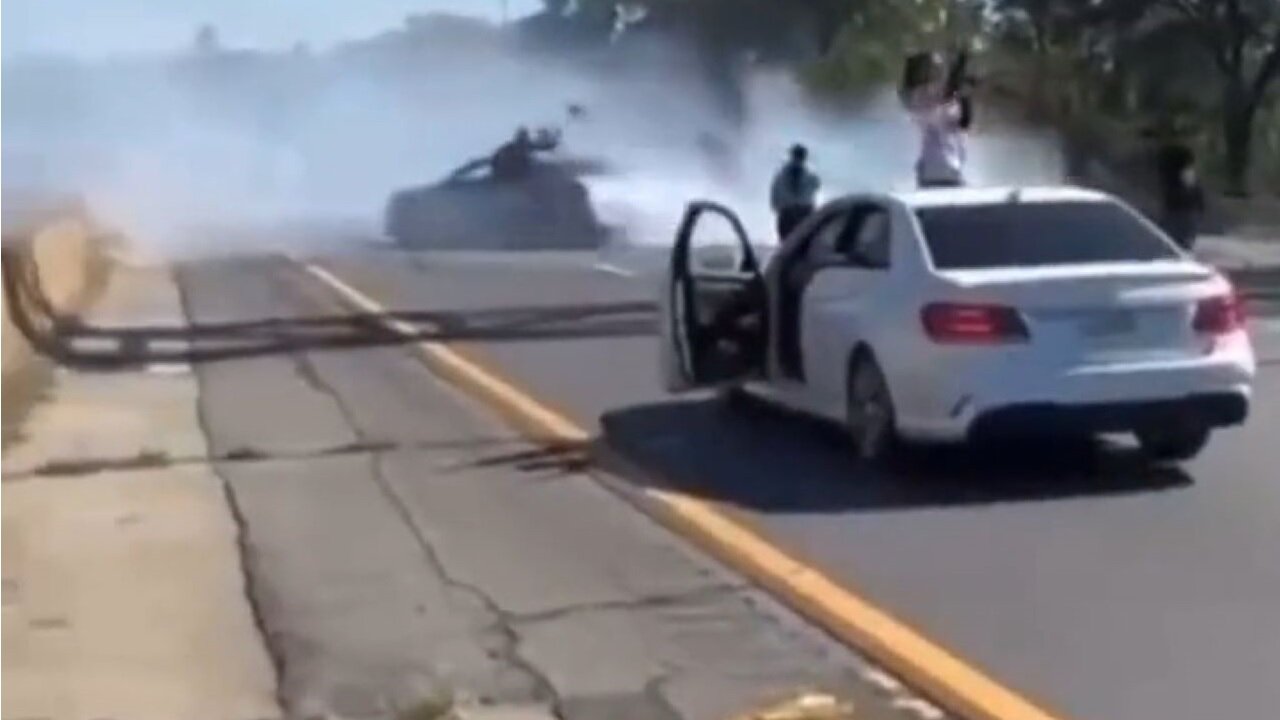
column 123, row 591
column 1237, row 254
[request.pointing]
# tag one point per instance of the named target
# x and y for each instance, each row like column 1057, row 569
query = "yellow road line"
column 951, row 682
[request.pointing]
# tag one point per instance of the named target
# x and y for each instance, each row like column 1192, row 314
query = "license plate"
column 1108, row 323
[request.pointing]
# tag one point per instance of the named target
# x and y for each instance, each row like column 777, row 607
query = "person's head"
column 799, row 154
column 921, row 70
column 522, row 136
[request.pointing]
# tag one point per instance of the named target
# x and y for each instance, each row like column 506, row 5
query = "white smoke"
column 226, row 161
column 872, row 150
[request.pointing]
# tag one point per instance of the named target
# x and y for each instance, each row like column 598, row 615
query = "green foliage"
column 1207, row 65
column 1084, row 65
column 875, row 36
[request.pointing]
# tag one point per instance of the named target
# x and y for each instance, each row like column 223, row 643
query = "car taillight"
column 1219, row 315
column 967, row 323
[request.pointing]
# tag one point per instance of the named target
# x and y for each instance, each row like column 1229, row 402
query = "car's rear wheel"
column 869, row 413
column 1173, row 442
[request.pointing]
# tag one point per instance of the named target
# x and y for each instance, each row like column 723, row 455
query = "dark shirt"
column 512, row 160
column 1176, row 194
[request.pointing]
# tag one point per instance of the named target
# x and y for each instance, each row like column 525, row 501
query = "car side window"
column 866, row 241
column 823, row 244
column 873, row 239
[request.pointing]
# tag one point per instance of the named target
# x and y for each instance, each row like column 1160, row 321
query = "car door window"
column 713, row 315
column 714, row 246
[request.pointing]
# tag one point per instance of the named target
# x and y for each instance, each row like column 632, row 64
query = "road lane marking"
column 953, row 683
column 806, row 706
column 463, row 369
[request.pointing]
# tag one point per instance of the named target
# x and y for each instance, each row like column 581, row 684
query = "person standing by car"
column 943, row 111
column 1181, row 194
column 794, row 191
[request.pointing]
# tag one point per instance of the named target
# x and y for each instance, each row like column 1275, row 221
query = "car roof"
column 943, row 197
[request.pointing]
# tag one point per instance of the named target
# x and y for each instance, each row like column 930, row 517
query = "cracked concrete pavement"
column 324, row 530
column 123, row 588
column 402, row 545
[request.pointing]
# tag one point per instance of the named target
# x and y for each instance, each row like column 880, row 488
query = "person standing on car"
column 513, row 160
column 1181, row 194
column 794, row 191
column 943, row 111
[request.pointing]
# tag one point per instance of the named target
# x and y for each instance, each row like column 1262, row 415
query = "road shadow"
column 564, row 458
column 767, row 460
column 67, row 340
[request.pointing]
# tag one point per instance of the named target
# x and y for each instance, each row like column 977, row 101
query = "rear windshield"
column 1037, row 234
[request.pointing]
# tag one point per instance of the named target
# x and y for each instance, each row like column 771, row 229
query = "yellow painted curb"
column 956, row 685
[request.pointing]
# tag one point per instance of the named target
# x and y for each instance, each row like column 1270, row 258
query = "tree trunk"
column 1038, row 98
column 1237, row 136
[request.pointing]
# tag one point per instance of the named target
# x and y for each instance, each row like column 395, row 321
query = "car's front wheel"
column 870, row 415
column 1174, row 442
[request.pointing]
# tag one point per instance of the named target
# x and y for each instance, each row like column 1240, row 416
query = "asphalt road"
column 401, row 544
column 1097, row 586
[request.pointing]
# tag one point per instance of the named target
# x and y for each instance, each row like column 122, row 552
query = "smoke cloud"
column 264, row 151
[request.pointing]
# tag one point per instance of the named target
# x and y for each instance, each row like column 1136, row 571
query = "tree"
column 1040, row 29
column 1077, row 50
column 1242, row 38
column 719, row 35
column 768, row 28
column 876, row 35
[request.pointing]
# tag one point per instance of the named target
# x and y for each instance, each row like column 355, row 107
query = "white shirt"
column 942, row 147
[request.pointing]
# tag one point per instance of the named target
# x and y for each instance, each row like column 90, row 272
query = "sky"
column 98, row 28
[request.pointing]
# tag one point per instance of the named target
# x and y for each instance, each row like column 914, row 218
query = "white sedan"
column 950, row 315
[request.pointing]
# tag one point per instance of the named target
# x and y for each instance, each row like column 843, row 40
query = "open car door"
column 713, row 306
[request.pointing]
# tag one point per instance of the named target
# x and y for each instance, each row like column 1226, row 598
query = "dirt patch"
column 24, row 388
column 51, row 273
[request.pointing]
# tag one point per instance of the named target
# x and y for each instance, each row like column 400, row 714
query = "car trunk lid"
column 1097, row 313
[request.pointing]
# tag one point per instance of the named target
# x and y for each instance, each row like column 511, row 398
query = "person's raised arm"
column 545, row 139
column 956, row 75
column 954, row 91
column 965, row 119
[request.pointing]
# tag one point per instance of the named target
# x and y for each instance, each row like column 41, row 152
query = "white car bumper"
column 1003, row 398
